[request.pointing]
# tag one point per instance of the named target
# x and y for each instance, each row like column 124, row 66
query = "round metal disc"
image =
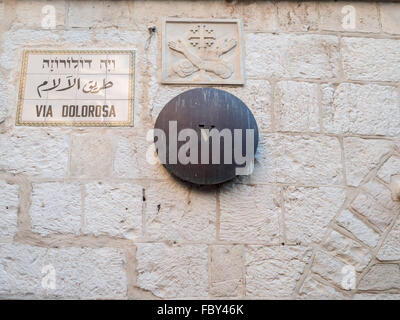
column 206, row 108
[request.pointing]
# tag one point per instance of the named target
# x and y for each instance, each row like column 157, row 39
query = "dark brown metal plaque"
column 206, row 111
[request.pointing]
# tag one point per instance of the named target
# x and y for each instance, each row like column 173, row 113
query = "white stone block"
column 56, row 208
column 9, row 200
column 173, row 271
column 309, row 210
column 249, row 213
column 113, row 209
column 359, row 229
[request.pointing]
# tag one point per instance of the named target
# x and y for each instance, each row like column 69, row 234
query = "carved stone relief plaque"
column 202, row 52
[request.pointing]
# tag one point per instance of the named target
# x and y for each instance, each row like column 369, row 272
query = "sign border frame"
column 131, row 98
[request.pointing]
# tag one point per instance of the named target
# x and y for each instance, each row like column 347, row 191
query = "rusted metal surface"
column 206, row 108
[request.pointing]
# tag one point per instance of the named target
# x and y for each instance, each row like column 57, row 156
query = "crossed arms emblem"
column 204, row 54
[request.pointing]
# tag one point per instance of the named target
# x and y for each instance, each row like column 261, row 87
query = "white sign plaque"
column 76, row 88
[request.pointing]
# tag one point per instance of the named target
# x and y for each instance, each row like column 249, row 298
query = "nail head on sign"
column 207, row 112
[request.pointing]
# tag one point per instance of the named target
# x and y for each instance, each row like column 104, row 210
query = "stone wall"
column 317, row 209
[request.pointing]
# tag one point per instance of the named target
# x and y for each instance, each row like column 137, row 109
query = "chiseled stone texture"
column 390, row 17
column 87, row 273
column 361, row 109
column 377, row 296
column 80, row 272
column 268, row 268
column 375, row 213
column 296, row 106
column 363, row 155
column 328, row 268
column 91, row 155
column 381, row 277
column 226, row 271
column 297, row 16
column 34, row 151
column 389, row 168
column 358, row 228
column 347, row 250
column 9, row 197
column 301, row 159
column 366, row 16
column 178, row 211
column 305, row 56
column 371, row 59
column 113, row 209
column 381, row 194
column 316, row 290
column 390, row 249
column 254, row 14
column 90, row 14
column 250, row 213
column 173, row 271
column 3, row 99
column 56, row 208
column 309, row 210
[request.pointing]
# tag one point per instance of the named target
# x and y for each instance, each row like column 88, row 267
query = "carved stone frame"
column 240, row 48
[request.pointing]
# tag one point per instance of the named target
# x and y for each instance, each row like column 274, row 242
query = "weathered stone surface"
column 56, row 208
column 254, row 14
column 390, row 249
column 173, row 271
column 309, row 210
column 363, row 155
column 348, row 250
column 376, row 214
column 361, row 109
column 389, row 168
column 9, row 198
column 366, row 16
column 377, row 296
column 297, row 16
column 371, row 59
column 226, row 270
column 181, row 9
column 296, row 106
column 390, row 16
column 89, row 273
column 359, row 229
column 90, row 14
column 79, row 273
column 178, row 211
column 381, row 194
column 298, row 159
column 381, row 277
column 256, row 95
column 267, row 268
column 305, row 56
column 44, row 153
column 315, row 290
column 113, row 209
column 328, row 267
column 33, row 14
column 249, row 214
column 91, row 155
column 3, row 99
column 20, row 269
